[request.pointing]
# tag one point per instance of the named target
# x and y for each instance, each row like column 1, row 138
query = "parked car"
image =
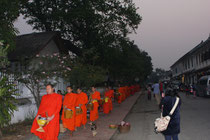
column 203, row 86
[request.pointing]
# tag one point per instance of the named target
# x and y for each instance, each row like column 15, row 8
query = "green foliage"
column 3, row 55
column 7, row 90
column 86, row 23
column 9, row 11
column 90, row 25
column 156, row 75
column 7, row 100
column 86, row 75
column 127, row 63
column 99, row 28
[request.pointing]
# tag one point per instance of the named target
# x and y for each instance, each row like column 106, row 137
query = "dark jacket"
column 174, row 124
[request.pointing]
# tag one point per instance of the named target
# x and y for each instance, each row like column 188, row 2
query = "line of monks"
column 52, row 103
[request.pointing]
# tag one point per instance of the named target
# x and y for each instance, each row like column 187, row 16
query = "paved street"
column 195, row 116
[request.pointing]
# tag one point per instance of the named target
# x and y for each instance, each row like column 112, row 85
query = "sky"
column 169, row 28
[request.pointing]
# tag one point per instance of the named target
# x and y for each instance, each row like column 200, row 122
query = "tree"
column 127, row 63
column 86, row 75
column 9, row 11
column 7, row 91
column 157, row 75
column 35, row 73
column 99, row 29
column 86, row 24
column 3, row 55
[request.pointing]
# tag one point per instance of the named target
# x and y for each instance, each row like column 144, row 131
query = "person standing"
column 82, row 100
column 95, row 97
column 49, row 108
column 156, row 92
column 161, row 88
column 149, row 91
column 112, row 96
column 69, row 103
column 194, row 90
column 108, row 101
column 167, row 103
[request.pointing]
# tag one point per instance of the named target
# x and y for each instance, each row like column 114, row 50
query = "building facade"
column 194, row 64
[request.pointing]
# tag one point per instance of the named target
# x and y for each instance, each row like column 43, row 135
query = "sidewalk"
column 104, row 133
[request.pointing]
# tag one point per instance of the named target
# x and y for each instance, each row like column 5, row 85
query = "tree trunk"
column 1, row 133
column 37, row 100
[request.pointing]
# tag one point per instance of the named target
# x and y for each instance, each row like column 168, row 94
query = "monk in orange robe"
column 112, row 96
column 50, row 107
column 69, row 102
column 120, row 98
column 122, row 91
column 107, row 104
column 132, row 90
column 95, row 97
column 82, row 101
column 127, row 91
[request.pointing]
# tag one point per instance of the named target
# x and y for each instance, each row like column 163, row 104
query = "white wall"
column 25, row 111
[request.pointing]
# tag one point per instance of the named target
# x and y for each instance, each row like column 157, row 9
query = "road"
column 195, row 119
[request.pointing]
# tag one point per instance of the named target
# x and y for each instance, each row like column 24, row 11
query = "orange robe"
column 132, row 90
column 127, row 91
column 82, row 119
column 112, row 96
column 94, row 112
column 70, row 101
column 50, row 103
column 122, row 95
column 107, row 104
column 120, row 98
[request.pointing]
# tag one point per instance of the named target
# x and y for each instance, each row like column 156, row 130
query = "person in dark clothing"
column 149, row 92
column 167, row 103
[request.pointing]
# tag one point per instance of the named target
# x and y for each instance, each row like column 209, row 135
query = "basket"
column 90, row 106
column 79, row 110
column 68, row 113
column 124, row 129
